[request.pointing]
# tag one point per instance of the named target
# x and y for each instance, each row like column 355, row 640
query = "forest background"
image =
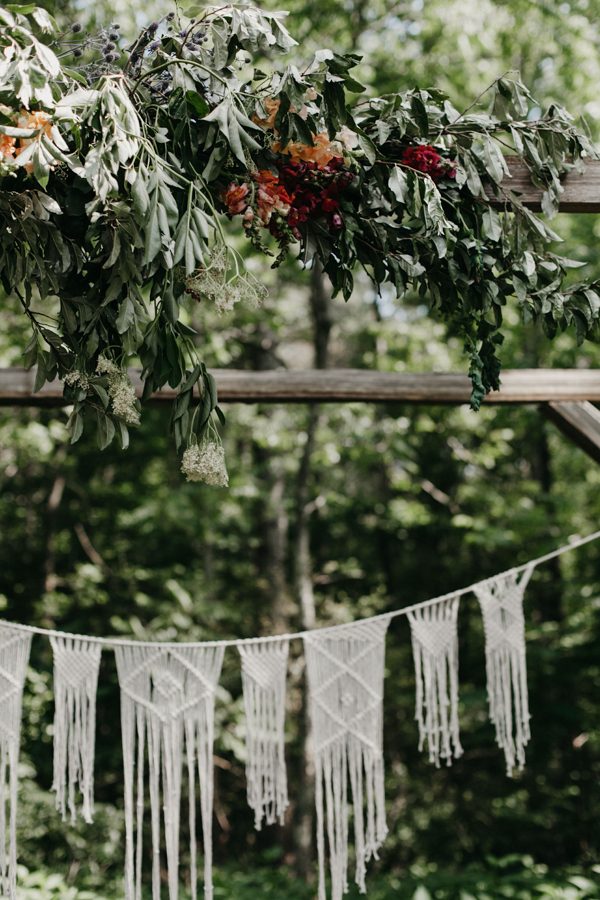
column 336, row 512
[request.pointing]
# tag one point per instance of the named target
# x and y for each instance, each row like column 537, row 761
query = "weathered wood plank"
column 580, row 422
column 346, row 385
column 581, row 191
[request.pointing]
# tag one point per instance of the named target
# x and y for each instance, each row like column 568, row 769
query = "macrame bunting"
column 167, row 717
column 14, row 656
column 345, row 678
column 264, row 669
column 435, row 652
column 76, row 667
column 501, row 601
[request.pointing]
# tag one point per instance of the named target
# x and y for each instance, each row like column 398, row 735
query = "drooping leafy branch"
column 118, row 168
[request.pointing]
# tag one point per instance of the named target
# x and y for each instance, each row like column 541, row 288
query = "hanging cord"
column 237, row 642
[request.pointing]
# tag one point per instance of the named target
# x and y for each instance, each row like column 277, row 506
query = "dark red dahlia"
column 425, row 158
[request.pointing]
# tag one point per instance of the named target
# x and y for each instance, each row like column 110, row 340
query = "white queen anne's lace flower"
column 122, row 395
column 206, row 462
column 212, row 283
column 106, row 366
column 77, row 379
column 120, row 390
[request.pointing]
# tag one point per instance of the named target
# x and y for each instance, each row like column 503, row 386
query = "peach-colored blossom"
column 42, row 122
column 235, row 198
column 7, row 146
column 272, row 108
column 38, row 120
column 347, row 137
column 322, row 151
column 271, row 196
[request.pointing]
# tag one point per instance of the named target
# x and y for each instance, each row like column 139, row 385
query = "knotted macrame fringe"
column 14, row 656
column 76, row 667
column 264, row 668
column 167, row 717
column 501, row 601
column 345, row 676
column 435, row 652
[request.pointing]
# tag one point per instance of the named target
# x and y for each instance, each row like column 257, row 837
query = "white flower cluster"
column 77, row 379
column 205, row 462
column 120, row 390
column 211, row 283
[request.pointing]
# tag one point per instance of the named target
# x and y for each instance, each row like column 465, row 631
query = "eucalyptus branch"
column 153, row 169
column 176, row 62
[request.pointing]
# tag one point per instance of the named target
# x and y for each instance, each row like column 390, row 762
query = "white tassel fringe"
column 345, row 676
column 167, row 716
column 76, row 667
column 435, row 652
column 501, row 601
column 264, row 668
column 14, row 656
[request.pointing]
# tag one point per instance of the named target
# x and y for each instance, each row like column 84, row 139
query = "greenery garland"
column 119, row 167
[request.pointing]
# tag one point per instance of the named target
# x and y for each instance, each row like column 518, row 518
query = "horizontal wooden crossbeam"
column 581, row 190
column 345, row 385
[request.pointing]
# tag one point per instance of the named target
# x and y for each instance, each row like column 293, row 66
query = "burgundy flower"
column 329, row 205
column 425, row 158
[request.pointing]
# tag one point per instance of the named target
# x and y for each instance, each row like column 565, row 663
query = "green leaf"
column 491, row 225
column 75, row 426
column 398, row 184
column 106, row 430
column 126, row 316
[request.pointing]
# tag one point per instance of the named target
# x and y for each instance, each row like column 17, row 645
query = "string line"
column 237, row 642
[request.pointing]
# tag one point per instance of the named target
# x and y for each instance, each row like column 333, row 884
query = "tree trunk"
column 303, row 566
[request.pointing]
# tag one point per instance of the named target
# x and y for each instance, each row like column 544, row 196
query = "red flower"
column 425, row 158
column 271, row 197
column 235, row 198
column 329, row 205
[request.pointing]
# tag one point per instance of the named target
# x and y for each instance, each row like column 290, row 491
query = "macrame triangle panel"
column 501, row 602
column 264, row 670
column 76, row 667
column 14, row 656
column 167, row 720
column 435, row 651
column 345, row 671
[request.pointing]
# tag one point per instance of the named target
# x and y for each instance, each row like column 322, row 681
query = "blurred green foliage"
column 401, row 503
column 517, row 878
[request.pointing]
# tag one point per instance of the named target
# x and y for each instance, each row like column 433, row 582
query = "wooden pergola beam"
column 579, row 421
column 343, row 386
column 581, row 190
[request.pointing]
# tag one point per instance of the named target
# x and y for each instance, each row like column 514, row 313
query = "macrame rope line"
column 435, row 650
column 238, row 642
column 264, row 669
column 501, row 601
column 76, row 667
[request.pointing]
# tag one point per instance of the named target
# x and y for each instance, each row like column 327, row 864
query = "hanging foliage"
column 120, row 166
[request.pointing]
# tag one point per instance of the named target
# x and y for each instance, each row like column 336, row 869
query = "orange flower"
column 271, row 196
column 235, row 198
column 38, row 120
column 42, row 122
column 7, row 146
column 272, row 108
column 322, row 151
column 265, row 176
